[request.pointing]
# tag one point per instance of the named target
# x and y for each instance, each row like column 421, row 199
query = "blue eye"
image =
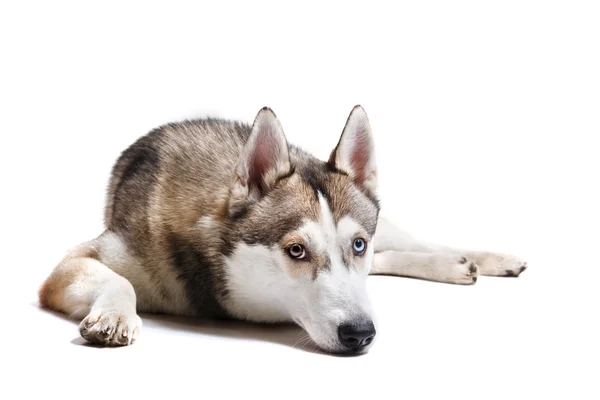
column 359, row 246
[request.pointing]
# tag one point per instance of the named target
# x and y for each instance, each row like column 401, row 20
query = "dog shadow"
column 282, row 334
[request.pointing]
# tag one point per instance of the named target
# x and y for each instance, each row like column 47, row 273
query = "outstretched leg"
column 397, row 251
column 438, row 267
column 81, row 286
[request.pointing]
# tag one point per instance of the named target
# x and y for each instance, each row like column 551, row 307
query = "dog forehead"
column 335, row 195
column 327, row 231
column 296, row 200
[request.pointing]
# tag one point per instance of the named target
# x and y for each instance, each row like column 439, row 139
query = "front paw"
column 497, row 264
column 110, row 328
column 455, row 269
column 465, row 272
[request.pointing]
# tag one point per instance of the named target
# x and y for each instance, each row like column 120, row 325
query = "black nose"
column 357, row 334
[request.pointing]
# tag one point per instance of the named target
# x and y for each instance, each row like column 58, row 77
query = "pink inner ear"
column 260, row 164
column 263, row 158
column 360, row 155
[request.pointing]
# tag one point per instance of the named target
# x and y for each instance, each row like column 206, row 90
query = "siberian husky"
column 221, row 219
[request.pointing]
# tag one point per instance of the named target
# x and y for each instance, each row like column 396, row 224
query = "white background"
column 486, row 120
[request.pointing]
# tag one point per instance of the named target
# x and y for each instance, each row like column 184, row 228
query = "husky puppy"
column 221, row 219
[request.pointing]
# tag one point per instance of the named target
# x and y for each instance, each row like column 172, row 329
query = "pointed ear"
column 263, row 159
column 355, row 152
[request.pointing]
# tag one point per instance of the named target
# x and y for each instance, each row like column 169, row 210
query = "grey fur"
column 168, row 180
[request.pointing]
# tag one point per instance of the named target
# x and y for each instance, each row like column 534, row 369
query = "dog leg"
column 81, row 286
column 438, row 267
column 389, row 237
column 497, row 264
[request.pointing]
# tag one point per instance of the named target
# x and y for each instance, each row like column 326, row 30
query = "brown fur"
column 187, row 203
column 69, row 270
column 182, row 173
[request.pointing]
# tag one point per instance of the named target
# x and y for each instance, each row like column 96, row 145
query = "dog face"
column 302, row 233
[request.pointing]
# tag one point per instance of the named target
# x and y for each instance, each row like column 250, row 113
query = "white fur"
column 440, row 267
column 87, row 293
column 106, row 298
column 398, row 253
column 496, row 264
column 257, row 283
column 205, row 223
column 114, row 252
column 264, row 283
column 264, row 289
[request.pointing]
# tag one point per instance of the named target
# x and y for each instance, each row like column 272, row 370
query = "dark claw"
column 122, row 340
column 523, row 268
column 472, row 268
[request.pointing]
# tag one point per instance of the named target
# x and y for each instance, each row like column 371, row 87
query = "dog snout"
column 356, row 335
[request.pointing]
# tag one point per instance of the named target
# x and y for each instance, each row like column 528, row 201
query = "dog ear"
column 263, row 160
column 355, row 152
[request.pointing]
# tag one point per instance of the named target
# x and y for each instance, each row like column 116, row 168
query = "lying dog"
column 220, row 219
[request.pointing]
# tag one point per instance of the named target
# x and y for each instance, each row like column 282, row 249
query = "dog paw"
column 466, row 272
column 460, row 270
column 110, row 327
column 496, row 264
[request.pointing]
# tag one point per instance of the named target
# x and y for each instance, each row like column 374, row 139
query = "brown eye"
column 359, row 246
column 296, row 251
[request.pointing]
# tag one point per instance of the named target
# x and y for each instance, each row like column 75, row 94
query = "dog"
column 222, row 219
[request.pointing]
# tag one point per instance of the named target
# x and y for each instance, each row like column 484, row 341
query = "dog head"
column 303, row 233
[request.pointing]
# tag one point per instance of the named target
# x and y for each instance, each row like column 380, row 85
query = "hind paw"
column 496, row 264
column 110, row 328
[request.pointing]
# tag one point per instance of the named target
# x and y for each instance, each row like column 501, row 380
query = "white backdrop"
column 486, row 119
